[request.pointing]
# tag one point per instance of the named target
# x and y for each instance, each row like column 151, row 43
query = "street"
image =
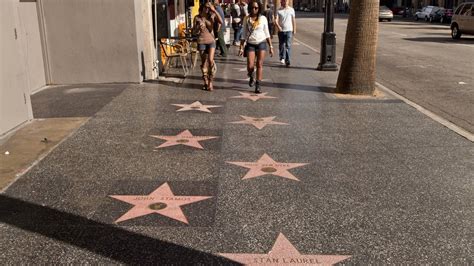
column 418, row 60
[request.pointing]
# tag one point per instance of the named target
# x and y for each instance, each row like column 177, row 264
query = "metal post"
column 157, row 44
column 327, row 60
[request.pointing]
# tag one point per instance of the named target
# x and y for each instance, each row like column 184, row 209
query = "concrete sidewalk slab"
column 31, row 143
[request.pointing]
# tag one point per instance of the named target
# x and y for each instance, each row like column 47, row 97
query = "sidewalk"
column 335, row 179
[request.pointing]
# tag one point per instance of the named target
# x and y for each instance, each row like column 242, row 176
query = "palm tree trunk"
column 357, row 74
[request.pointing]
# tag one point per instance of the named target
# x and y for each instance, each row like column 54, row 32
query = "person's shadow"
column 103, row 239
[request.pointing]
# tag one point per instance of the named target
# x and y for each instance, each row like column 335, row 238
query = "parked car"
column 397, row 10
column 385, row 13
column 463, row 20
column 442, row 15
column 425, row 12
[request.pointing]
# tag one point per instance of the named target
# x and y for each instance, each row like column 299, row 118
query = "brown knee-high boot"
column 205, row 76
column 212, row 74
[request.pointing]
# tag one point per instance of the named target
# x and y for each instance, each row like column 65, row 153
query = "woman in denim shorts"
column 203, row 28
column 255, row 38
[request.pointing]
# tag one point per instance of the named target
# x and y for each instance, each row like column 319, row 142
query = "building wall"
column 31, row 45
column 92, row 41
column 15, row 105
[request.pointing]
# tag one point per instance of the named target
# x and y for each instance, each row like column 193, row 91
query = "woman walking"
column 203, row 27
column 253, row 45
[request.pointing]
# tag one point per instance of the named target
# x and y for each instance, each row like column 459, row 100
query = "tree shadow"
column 103, row 239
column 446, row 39
column 426, row 28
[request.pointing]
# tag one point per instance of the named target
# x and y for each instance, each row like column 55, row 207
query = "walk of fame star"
column 267, row 166
column 183, row 138
column 161, row 201
column 258, row 122
column 195, row 106
column 284, row 253
column 253, row 96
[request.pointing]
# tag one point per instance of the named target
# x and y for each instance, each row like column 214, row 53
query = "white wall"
column 92, row 41
column 32, row 45
column 15, row 107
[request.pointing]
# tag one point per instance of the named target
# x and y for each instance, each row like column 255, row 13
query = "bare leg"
column 251, row 67
column 211, row 74
column 260, row 58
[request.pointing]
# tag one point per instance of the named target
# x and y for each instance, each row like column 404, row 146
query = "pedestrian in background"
column 270, row 15
column 236, row 21
column 253, row 45
column 219, row 29
column 203, row 26
column 286, row 25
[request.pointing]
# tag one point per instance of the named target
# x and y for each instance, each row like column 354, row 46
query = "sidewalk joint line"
column 461, row 131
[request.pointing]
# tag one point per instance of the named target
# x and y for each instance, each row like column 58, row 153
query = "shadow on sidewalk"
column 445, row 39
column 265, row 64
column 103, row 239
column 290, row 86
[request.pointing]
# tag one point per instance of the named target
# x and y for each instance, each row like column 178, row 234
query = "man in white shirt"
column 286, row 25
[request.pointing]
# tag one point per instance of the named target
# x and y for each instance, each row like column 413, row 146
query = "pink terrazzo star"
column 284, row 253
column 195, row 106
column 253, row 96
column 183, row 138
column 161, row 201
column 258, row 122
column 267, row 166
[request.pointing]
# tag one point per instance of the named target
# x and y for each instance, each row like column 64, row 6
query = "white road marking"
column 307, row 46
column 263, row 80
column 243, row 69
column 420, row 66
column 462, row 83
column 399, row 34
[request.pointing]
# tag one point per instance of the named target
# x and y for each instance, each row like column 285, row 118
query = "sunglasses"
column 255, row 7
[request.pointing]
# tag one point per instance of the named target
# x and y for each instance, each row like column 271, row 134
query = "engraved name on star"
column 184, row 138
column 161, row 201
column 258, row 122
column 267, row 166
column 284, row 253
column 195, row 106
column 253, row 96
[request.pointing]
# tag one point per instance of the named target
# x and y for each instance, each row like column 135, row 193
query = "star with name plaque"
column 284, row 253
column 267, row 166
column 253, row 96
column 258, row 122
column 184, row 138
column 161, row 201
column 195, row 106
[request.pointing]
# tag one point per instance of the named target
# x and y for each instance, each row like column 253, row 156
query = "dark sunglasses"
column 255, row 7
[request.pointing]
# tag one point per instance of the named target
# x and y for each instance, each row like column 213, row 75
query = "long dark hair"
column 250, row 8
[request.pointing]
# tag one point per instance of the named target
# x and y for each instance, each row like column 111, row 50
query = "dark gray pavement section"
column 384, row 183
column 73, row 100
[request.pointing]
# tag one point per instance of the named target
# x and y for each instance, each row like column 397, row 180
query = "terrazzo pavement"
column 383, row 183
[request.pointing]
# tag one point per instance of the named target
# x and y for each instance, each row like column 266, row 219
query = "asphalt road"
column 418, row 60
